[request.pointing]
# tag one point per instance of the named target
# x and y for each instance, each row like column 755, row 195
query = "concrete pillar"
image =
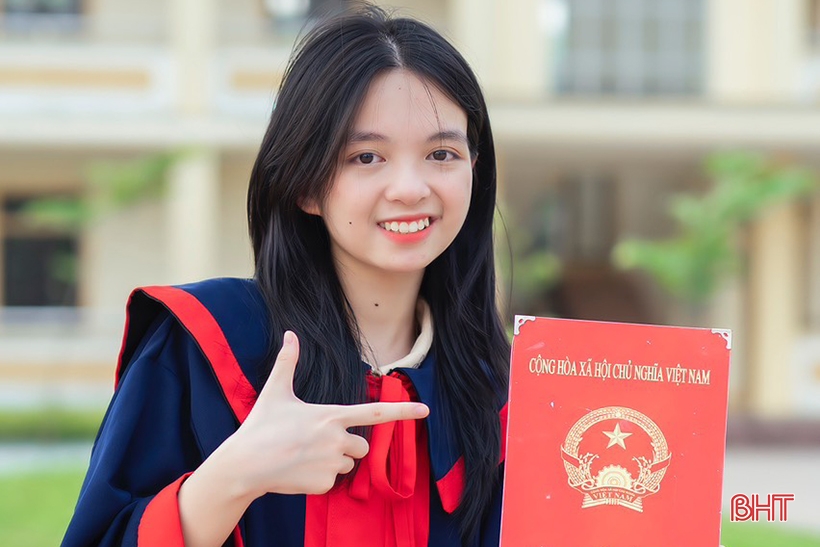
column 774, row 302
column 193, row 40
column 192, row 207
column 474, row 34
column 506, row 43
column 192, row 203
column 813, row 266
column 2, row 250
column 727, row 310
column 755, row 49
column 520, row 53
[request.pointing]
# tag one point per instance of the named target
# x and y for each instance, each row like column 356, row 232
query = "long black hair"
column 322, row 89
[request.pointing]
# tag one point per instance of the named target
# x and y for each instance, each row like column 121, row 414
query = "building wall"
column 147, row 76
column 235, row 253
column 129, row 22
column 757, row 49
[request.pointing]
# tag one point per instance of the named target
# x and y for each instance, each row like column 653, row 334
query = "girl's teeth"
column 405, row 228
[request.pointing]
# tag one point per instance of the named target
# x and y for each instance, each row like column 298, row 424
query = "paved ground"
column 777, row 471
column 29, row 395
column 25, row 457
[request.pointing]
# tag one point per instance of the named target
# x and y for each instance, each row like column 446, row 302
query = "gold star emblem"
column 616, row 437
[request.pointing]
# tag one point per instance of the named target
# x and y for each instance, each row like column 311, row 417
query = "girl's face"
column 402, row 190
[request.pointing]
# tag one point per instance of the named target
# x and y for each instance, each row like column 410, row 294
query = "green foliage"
column 58, row 213
column 112, row 186
column 125, row 183
column 64, row 267
column 693, row 264
column 49, row 424
column 536, row 270
column 528, row 266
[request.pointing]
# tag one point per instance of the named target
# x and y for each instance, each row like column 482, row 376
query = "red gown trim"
column 198, row 321
column 160, row 524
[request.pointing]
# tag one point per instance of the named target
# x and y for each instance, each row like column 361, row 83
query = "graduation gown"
column 182, row 388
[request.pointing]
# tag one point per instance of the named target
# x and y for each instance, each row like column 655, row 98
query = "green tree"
column 111, row 185
column 704, row 252
column 525, row 263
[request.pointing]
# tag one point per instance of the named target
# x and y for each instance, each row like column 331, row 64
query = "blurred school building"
column 602, row 110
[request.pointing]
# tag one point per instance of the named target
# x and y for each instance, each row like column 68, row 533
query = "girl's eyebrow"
column 365, row 136
column 449, row 135
column 446, row 135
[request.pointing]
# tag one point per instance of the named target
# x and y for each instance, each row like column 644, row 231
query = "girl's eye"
column 442, row 155
column 367, row 158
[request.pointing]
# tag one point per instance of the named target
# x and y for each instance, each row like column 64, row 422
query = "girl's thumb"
column 280, row 380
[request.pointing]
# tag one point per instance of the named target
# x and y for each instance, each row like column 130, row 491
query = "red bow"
column 388, row 501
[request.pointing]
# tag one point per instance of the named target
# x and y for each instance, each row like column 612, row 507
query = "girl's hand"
column 291, row 447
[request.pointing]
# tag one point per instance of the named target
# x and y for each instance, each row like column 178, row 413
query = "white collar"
column 420, row 348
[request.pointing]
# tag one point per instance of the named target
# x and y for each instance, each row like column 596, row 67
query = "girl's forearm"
column 213, row 499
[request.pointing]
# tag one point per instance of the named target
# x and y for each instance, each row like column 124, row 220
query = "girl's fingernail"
column 422, row 411
column 289, row 337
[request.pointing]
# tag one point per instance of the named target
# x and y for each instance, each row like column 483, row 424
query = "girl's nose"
column 408, row 185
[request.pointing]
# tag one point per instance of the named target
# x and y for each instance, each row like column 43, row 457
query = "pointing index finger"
column 380, row 413
column 280, row 380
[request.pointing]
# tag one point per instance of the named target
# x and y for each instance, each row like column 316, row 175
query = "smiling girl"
column 352, row 393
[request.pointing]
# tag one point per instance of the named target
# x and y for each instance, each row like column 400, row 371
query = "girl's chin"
column 404, row 269
column 404, row 266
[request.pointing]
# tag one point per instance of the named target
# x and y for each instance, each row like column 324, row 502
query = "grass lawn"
column 35, row 508
column 758, row 534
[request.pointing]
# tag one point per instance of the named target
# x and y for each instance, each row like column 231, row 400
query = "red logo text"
column 772, row 508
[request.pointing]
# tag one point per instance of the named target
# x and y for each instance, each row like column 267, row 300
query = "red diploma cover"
column 616, row 435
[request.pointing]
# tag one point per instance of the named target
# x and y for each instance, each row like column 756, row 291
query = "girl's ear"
column 472, row 163
column 310, row 206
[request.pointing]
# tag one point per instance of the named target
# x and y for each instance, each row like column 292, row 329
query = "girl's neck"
column 385, row 309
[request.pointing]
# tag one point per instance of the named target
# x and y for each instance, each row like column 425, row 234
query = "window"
column 630, row 47
column 42, row 7
column 814, row 24
column 48, row 15
column 290, row 10
column 288, row 17
column 39, row 265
